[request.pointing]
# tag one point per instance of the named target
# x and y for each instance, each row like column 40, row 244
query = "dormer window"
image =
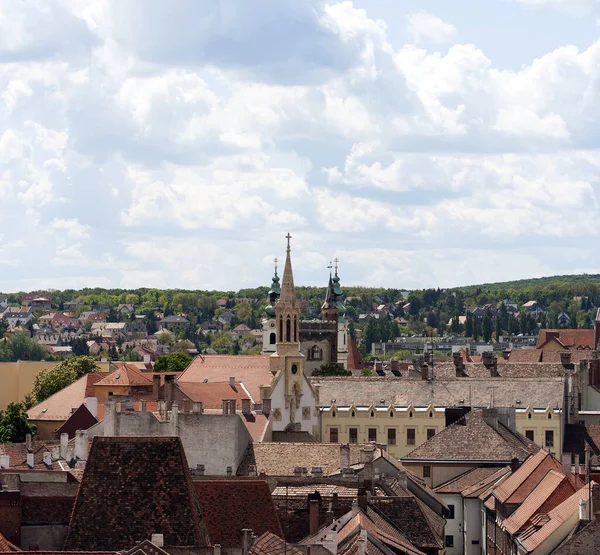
column 549, row 416
column 353, row 414
column 410, row 414
column 430, row 414
column 529, row 415
column 372, row 414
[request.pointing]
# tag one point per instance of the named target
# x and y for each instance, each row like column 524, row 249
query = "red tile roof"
column 212, row 394
column 127, row 375
column 571, row 339
column 252, row 371
column 229, row 506
column 6, row 546
column 354, row 361
column 270, row 544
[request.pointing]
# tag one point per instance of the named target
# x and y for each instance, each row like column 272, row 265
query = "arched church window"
column 288, row 329
column 316, row 353
column 281, row 328
column 272, row 338
column 295, row 329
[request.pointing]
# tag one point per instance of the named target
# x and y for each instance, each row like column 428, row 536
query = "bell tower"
column 287, row 359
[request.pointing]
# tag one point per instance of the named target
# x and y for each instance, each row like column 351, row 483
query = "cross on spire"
column 336, row 260
column 288, row 237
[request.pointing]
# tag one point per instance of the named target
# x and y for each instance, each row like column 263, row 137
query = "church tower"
column 287, row 359
column 342, row 327
column 268, row 323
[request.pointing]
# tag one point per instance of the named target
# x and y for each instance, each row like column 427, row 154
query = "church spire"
column 288, row 291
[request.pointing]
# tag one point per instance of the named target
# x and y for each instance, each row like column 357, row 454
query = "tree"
column 487, row 327
column 469, row 328
column 221, row 342
column 48, row 382
column 243, row 311
column 21, row 347
column 331, row 369
column 174, row 362
column 14, row 425
column 81, row 365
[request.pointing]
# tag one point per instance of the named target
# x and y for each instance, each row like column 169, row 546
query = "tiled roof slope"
column 516, row 487
column 212, row 394
column 280, row 459
column 466, row 480
column 584, row 542
column 134, row 487
column 571, row 339
column 525, row 355
column 229, row 506
column 252, row 371
column 473, row 439
column 451, row 392
column 507, row 370
column 6, row 546
column 127, row 375
column 539, row 532
column 485, row 486
column 58, row 406
column 270, row 544
column 550, row 492
column 18, row 455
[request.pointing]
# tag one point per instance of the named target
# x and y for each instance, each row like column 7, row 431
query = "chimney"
column 317, row 471
column 491, row 417
column 4, row 461
column 457, row 360
column 565, row 358
column 169, row 387
column 217, row 549
column 565, row 460
column 362, row 543
column 297, row 471
column 429, row 358
column 81, row 445
column 313, row 509
column 30, row 460
column 225, row 405
column 92, row 405
column 147, row 360
column 47, row 457
column 515, row 464
column 64, row 443
column 424, row 371
column 362, row 499
column 486, row 358
column 155, row 387
column 247, row 532
column 596, row 501
column 158, row 540
column 199, row 470
column 197, row 407
column 232, row 406
column 266, row 406
column 28, row 442
column 232, row 381
column 70, row 454
column 583, row 509
column 344, row 455
column 395, row 368
column 175, row 419
column 494, row 367
column 55, row 452
column 184, row 405
column 110, row 420
column 246, row 406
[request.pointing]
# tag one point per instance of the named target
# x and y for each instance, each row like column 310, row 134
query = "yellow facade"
column 17, row 379
column 403, row 429
column 103, row 392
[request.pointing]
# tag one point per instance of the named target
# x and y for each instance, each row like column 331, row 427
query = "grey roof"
column 476, row 392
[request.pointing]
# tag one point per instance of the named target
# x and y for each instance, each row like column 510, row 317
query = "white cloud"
column 426, row 27
column 71, row 228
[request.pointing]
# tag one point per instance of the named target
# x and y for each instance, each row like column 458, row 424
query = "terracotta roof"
column 280, row 459
column 448, row 392
column 516, row 487
column 212, row 394
column 549, row 356
column 354, row 361
column 294, row 437
column 473, row 439
column 507, row 370
column 571, row 339
column 584, row 542
column 554, row 488
column 486, row 485
column 58, row 406
column 270, row 544
column 525, row 355
column 256, row 424
column 133, row 487
column 6, row 546
column 229, row 506
column 81, row 419
column 468, row 479
column 252, row 371
column 127, row 375
column 542, row 528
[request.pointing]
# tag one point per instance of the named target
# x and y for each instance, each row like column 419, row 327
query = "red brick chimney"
column 313, row 516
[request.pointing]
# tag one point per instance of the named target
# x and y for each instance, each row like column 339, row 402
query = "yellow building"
column 17, row 379
column 403, row 428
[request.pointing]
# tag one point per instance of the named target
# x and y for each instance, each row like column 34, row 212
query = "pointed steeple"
column 274, row 293
column 288, row 291
column 330, row 297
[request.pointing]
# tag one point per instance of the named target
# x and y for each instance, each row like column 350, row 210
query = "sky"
column 174, row 144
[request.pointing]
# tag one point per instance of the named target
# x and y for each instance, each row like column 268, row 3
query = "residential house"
column 174, row 323
column 126, row 381
column 563, row 319
column 481, row 437
column 567, row 339
column 3, row 301
column 211, row 326
column 101, row 307
column 41, row 302
column 125, row 310
column 239, row 331
column 93, row 316
column 222, row 303
column 533, row 308
column 584, row 541
column 226, row 318
column 15, row 316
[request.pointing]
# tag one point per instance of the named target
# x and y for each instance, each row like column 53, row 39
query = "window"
column 372, row 434
column 372, row 414
column 528, row 415
column 449, row 541
column 410, row 414
column 353, row 435
column 333, row 435
column 410, row 436
column 529, row 434
column 549, row 416
column 549, row 438
column 430, row 432
column 391, row 436
column 450, row 512
column 426, row 472
column 315, row 353
column 295, row 369
column 430, row 414
column 391, row 415
column 288, row 330
column 353, row 414
column 272, row 339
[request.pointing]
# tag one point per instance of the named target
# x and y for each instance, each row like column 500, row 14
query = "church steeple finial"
column 288, row 291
